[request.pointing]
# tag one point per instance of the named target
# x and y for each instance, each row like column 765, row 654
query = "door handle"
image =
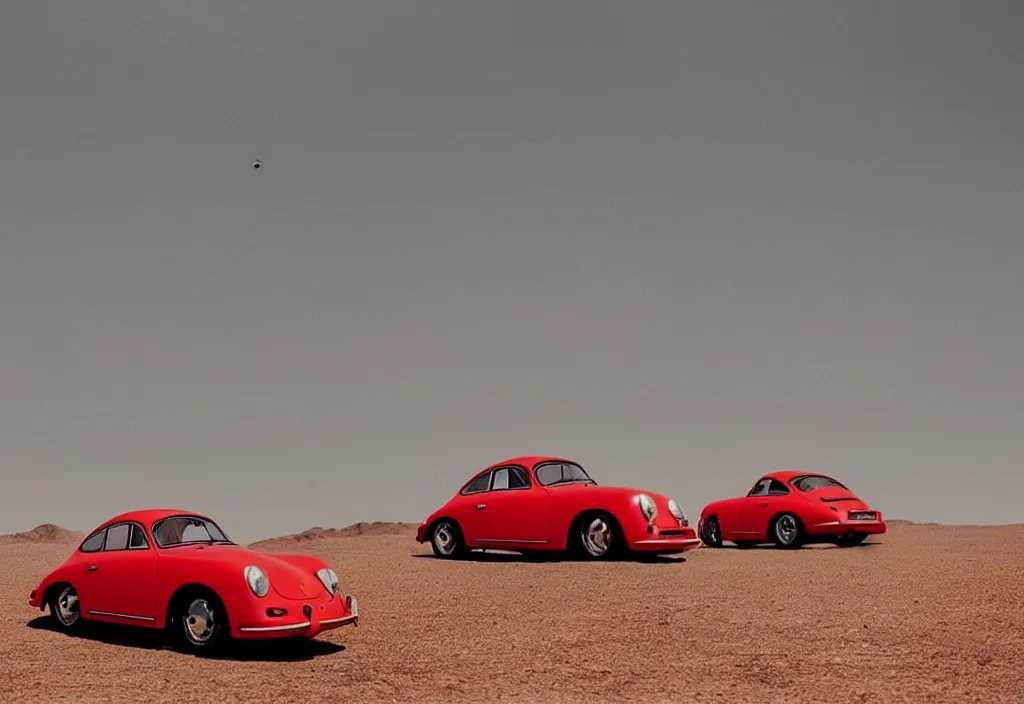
column 481, row 507
column 90, row 568
column 762, row 504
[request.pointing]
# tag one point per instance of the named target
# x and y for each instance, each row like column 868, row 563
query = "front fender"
column 308, row 563
column 227, row 581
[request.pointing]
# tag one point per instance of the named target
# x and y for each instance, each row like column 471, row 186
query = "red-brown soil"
column 924, row 614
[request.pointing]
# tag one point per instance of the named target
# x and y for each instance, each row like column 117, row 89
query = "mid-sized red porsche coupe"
column 790, row 509
column 177, row 570
column 550, row 504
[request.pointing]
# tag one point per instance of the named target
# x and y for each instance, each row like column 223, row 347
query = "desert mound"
column 356, row 529
column 46, row 533
column 902, row 522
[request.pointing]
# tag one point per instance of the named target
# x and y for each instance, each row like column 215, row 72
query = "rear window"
column 815, row 482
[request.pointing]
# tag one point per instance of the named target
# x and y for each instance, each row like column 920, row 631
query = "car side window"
column 761, row 489
column 481, row 483
column 117, row 537
column 517, row 479
column 95, row 542
column 777, row 488
column 500, row 479
column 138, row 540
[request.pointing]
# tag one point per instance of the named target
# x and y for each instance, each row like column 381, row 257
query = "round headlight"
column 257, row 580
column 329, row 579
column 647, row 507
column 675, row 510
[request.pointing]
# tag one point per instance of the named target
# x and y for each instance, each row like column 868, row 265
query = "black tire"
column 851, row 540
column 189, row 621
column 711, row 533
column 446, row 540
column 597, row 537
column 786, row 531
column 64, row 608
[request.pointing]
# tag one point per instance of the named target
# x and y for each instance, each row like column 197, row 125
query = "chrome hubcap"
column 199, row 621
column 712, row 531
column 67, row 606
column 597, row 537
column 445, row 539
column 785, row 528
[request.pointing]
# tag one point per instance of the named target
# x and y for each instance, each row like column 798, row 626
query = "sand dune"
column 318, row 534
column 45, row 533
column 923, row 613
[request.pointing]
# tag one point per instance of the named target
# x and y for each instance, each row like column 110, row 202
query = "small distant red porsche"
column 177, row 570
column 550, row 504
column 790, row 509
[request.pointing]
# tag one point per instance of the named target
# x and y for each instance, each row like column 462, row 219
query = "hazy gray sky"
column 681, row 243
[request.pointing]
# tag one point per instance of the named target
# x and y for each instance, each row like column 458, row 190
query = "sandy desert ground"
column 925, row 613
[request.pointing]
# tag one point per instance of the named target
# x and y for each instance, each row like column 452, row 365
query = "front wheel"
column 598, row 536
column 446, row 541
column 202, row 623
column 64, row 608
column 711, row 533
column 787, row 531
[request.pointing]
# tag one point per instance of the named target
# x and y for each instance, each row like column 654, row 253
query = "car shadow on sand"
column 514, row 557
column 277, row 650
column 812, row 546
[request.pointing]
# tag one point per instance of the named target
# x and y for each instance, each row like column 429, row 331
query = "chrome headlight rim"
column 329, row 578
column 676, row 510
column 258, row 581
column 647, row 507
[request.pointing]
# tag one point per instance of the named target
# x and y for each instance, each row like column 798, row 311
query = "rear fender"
column 41, row 594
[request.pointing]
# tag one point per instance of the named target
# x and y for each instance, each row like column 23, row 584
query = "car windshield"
column 813, row 482
column 186, row 530
column 554, row 473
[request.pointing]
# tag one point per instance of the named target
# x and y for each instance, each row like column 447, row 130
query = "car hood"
column 603, row 491
column 286, row 579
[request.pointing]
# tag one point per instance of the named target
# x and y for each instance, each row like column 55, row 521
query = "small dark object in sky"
column 256, row 164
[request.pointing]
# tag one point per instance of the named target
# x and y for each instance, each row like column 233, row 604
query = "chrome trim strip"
column 275, row 629
column 108, row 614
column 669, row 541
column 505, row 540
column 335, row 621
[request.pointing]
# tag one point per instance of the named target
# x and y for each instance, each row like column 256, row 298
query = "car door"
column 467, row 507
column 748, row 508
column 122, row 576
column 776, row 500
column 760, row 511
column 514, row 510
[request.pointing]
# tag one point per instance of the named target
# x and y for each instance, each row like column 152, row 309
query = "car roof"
column 787, row 474
column 149, row 516
column 529, row 461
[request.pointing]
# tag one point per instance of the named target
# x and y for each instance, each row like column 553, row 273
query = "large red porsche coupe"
column 790, row 509
column 533, row 504
column 178, row 570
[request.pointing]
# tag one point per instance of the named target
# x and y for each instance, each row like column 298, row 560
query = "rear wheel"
column 446, row 540
column 787, row 532
column 851, row 540
column 711, row 533
column 64, row 608
column 201, row 623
